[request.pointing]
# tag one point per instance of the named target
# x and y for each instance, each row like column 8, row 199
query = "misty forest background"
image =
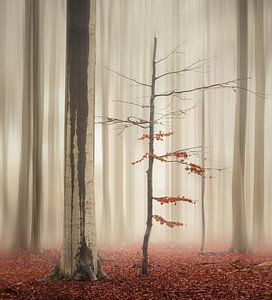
column 32, row 95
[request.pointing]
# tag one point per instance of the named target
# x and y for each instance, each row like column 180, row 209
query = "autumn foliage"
column 179, row 156
column 162, row 221
column 166, row 200
column 157, row 136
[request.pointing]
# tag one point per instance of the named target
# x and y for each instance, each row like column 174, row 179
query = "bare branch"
column 227, row 84
column 128, row 78
column 129, row 122
column 197, row 64
column 176, row 113
column 132, row 103
column 174, row 51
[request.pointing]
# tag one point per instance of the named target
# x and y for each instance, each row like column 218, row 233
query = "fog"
column 32, row 95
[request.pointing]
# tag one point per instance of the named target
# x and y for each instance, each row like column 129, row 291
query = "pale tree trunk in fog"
column 37, row 132
column 52, row 114
column 79, row 251
column 209, row 137
column 22, row 220
column 4, row 136
column 258, row 195
column 203, row 223
column 105, row 56
column 239, row 238
column 119, row 159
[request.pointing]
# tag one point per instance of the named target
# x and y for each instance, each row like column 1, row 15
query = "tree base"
column 84, row 272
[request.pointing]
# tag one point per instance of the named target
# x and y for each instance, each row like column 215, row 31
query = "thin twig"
column 193, row 66
column 174, row 51
column 128, row 78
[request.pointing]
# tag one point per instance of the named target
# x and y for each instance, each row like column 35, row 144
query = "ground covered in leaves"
column 175, row 273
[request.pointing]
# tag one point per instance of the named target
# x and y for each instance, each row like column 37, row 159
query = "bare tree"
column 179, row 156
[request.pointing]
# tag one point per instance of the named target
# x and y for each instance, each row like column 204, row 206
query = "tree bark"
column 150, row 167
column 79, row 251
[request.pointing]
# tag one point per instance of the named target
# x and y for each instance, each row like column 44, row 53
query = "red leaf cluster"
column 157, row 136
column 167, row 223
column 174, row 200
column 194, row 168
column 181, row 154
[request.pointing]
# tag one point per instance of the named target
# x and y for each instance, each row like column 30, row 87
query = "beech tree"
column 181, row 156
column 79, row 251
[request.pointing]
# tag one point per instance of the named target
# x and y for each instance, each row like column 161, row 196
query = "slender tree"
column 179, row 156
column 79, row 251
column 22, row 220
column 106, row 43
column 52, row 114
column 203, row 221
column 37, row 131
column 4, row 134
column 258, row 194
column 239, row 239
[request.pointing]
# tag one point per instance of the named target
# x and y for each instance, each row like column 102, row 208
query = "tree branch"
column 174, row 51
column 133, row 103
column 128, row 78
column 191, row 67
column 227, row 84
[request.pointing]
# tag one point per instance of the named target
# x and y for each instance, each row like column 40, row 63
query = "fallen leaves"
column 176, row 273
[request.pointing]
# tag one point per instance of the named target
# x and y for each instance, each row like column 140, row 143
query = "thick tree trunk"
column 79, row 253
column 258, row 194
column 239, row 240
column 150, row 168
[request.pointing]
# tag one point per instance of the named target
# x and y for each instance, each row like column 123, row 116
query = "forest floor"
column 175, row 273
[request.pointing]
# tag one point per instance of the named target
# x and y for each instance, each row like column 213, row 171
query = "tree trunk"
column 4, row 135
column 239, row 239
column 52, row 131
column 258, row 194
column 37, row 133
column 106, row 44
column 203, row 224
column 22, row 220
column 79, row 253
column 150, row 168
